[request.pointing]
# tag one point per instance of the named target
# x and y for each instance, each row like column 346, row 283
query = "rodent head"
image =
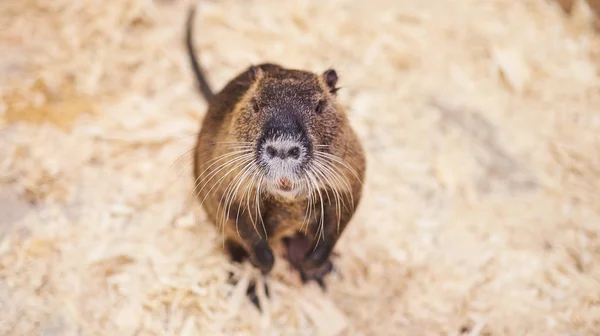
column 289, row 118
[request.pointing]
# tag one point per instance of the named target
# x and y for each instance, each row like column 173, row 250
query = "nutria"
column 277, row 159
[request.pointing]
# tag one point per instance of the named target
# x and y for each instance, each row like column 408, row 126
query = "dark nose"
column 283, row 151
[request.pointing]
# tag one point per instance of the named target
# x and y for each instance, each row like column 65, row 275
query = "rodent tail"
column 202, row 82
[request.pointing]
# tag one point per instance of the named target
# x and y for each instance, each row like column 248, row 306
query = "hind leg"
column 238, row 254
column 331, row 224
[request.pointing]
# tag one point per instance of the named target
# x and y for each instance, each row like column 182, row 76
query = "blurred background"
column 481, row 120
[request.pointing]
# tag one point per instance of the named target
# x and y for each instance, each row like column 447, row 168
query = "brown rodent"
column 277, row 159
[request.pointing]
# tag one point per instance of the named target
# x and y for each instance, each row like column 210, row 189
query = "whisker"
column 181, row 156
column 214, row 126
column 246, row 194
column 336, row 171
column 315, row 185
column 258, row 207
column 227, row 145
column 243, row 160
column 229, row 192
column 338, row 146
column 340, row 161
column 220, row 157
column 237, row 216
column 328, row 180
column 334, row 167
column 317, row 175
column 325, row 182
column 240, row 161
column 309, row 205
column 245, row 143
column 250, row 209
column 248, row 169
column 226, row 192
column 225, row 213
column 326, row 166
column 207, row 153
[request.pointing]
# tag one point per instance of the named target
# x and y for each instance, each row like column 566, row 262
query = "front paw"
column 262, row 257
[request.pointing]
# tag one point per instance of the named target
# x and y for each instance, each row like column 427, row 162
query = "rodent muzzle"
column 283, row 157
column 283, row 151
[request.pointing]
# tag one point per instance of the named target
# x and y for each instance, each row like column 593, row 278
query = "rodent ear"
column 254, row 72
column 330, row 76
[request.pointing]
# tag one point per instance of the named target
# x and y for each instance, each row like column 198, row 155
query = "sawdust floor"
column 481, row 214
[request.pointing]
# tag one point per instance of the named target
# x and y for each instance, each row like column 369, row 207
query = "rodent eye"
column 255, row 106
column 319, row 108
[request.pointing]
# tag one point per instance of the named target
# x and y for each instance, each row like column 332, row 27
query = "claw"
column 321, row 284
column 251, row 293
column 318, row 275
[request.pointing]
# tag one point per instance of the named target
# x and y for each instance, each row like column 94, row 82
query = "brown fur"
column 231, row 118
